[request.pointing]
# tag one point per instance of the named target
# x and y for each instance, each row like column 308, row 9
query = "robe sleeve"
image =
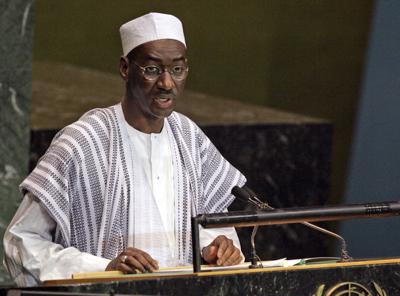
column 31, row 256
column 218, row 176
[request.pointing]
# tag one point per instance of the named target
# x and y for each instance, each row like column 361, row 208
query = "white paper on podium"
column 283, row 262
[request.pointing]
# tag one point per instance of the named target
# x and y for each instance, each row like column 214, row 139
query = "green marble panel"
column 16, row 30
column 373, row 278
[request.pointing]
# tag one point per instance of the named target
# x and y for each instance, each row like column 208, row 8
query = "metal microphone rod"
column 253, row 199
column 263, row 205
column 344, row 254
column 298, row 215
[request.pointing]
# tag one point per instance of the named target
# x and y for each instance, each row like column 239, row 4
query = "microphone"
column 247, row 195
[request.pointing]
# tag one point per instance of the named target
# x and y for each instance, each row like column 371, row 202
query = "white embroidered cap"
column 150, row 27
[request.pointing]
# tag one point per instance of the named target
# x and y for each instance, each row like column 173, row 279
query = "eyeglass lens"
column 152, row 72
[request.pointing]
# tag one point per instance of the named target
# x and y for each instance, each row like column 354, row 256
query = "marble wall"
column 16, row 30
column 372, row 278
column 286, row 165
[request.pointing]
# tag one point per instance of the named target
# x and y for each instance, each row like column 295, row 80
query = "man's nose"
column 165, row 81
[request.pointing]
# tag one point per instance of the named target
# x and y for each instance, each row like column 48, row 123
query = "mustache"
column 166, row 94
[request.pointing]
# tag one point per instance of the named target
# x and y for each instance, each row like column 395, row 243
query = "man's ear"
column 124, row 68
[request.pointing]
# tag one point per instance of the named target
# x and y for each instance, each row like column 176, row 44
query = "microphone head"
column 250, row 192
column 241, row 194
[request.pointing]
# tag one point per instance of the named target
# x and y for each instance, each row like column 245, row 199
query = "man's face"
column 155, row 99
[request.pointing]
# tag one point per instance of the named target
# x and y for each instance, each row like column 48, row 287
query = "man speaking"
column 117, row 188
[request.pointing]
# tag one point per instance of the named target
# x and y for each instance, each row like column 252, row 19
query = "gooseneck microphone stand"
column 254, row 200
column 255, row 259
column 287, row 216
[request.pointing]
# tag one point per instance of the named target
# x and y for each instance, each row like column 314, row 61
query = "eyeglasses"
column 152, row 72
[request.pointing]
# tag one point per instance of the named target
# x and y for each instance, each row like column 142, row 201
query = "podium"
column 372, row 277
column 354, row 277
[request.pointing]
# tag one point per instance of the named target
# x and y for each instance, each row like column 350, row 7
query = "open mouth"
column 164, row 102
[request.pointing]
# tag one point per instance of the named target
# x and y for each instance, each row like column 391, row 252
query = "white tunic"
column 154, row 205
